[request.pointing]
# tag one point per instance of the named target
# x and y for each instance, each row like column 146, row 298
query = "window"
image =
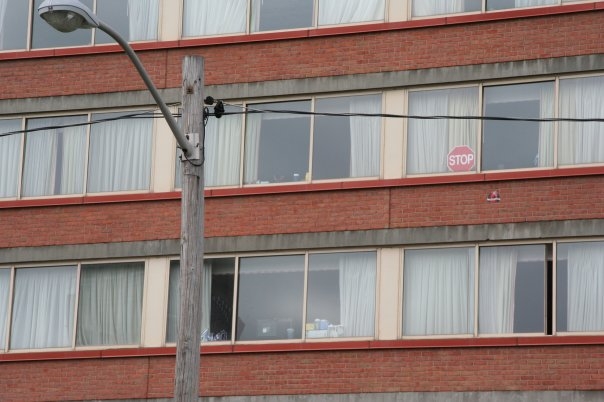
column 422, row 8
column 503, row 4
column 4, row 304
column 518, row 144
column 216, row 300
column 13, row 24
column 10, row 151
column 437, row 295
column 581, row 142
column 120, row 153
column 580, row 280
column 44, row 36
column 429, row 141
column 208, row 17
column 333, row 12
column 55, row 158
column 270, row 15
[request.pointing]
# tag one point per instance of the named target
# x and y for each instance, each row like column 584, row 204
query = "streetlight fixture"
column 69, row 15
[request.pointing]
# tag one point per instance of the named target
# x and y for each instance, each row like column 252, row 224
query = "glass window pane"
column 511, row 289
column 209, row 17
column 347, row 146
column 10, row 157
column 120, row 153
column 349, row 11
column 13, row 24
column 277, row 144
column 54, row 157
column 503, row 4
column 44, row 35
column 518, row 144
column 438, row 296
column 341, row 295
column 270, row 15
column 270, row 301
column 422, row 8
column 43, row 307
column 216, row 300
column 4, row 292
column 431, row 143
column 580, row 280
column 134, row 20
column 581, row 142
column 110, row 304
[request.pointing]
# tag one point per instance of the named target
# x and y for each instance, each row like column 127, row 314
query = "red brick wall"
column 397, row 50
column 338, row 210
column 354, row 371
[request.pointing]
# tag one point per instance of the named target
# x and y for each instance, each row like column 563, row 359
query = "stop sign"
column 461, row 159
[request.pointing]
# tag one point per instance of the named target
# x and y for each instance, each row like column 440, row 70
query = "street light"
column 69, row 15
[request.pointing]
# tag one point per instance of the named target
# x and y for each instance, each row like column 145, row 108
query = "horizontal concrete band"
column 493, row 396
column 523, row 231
column 358, row 82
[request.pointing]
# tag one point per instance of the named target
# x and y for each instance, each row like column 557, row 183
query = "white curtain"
column 143, row 17
column 206, row 295
column 438, row 292
column 349, row 11
column 581, row 142
column 3, row 4
column 365, row 134
column 110, row 304
column 209, row 17
column 252, row 147
column 532, row 3
column 10, row 157
column 585, row 303
column 433, row 7
column 546, row 129
column 255, row 15
column 54, row 159
column 496, row 291
column 223, row 151
column 357, row 293
column 43, row 307
column 120, row 155
column 4, row 301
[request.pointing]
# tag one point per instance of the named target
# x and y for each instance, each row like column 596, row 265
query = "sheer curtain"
column 585, row 309
column 3, row 4
column 223, row 151
column 143, row 16
column 10, row 157
column 438, row 292
column 208, row 17
column 4, row 301
column 55, row 158
column 120, row 155
column 496, row 291
column 357, row 293
column 433, row 7
column 110, row 304
column 348, row 11
column 581, row 142
column 252, row 147
column 532, row 3
column 43, row 307
column 365, row 135
column 546, row 130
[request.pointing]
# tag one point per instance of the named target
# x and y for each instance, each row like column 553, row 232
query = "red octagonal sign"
column 461, row 159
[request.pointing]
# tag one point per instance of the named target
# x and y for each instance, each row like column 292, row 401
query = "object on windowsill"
column 494, row 196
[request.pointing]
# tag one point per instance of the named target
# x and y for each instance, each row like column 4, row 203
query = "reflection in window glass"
column 270, row 15
column 347, row 147
column 135, row 20
column 421, row 8
column 110, row 304
column 209, row 17
column 43, row 307
column 503, row 4
column 518, row 144
column 581, row 142
column 120, row 153
column 55, row 157
column 580, row 280
column 438, row 294
column 13, row 24
column 270, row 299
column 350, row 11
column 341, row 295
column 10, row 156
column 511, row 289
column 216, row 300
column 44, row 35
column 431, row 140
column 4, row 292
column 277, row 144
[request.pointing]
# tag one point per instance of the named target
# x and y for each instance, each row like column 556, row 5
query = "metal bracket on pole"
column 195, row 149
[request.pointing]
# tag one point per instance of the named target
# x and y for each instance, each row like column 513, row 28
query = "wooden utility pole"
column 186, row 380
